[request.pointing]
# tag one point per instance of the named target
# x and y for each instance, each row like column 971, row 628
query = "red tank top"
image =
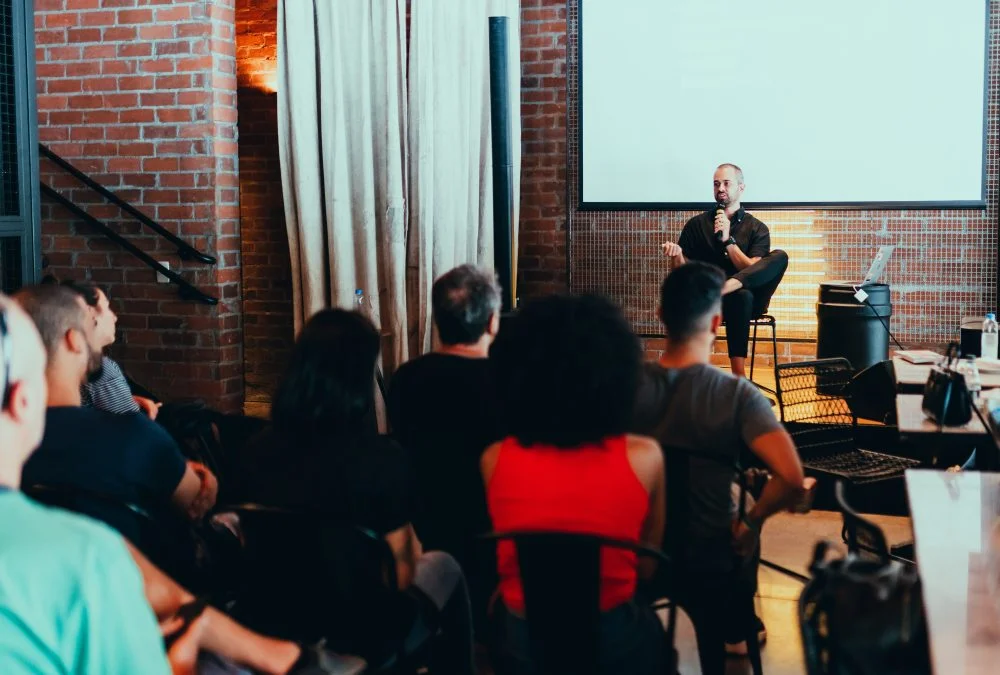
column 590, row 490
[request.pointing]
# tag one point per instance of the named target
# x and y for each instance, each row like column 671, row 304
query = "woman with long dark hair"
column 323, row 454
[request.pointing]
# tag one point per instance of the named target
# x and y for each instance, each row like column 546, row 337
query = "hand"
column 722, row 224
column 208, row 493
column 671, row 250
column 745, row 538
column 148, row 406
column 183, row 654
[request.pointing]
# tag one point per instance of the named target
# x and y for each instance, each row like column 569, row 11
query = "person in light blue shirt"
column 71, row 597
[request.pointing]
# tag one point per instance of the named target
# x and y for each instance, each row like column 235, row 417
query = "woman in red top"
column 566, row 371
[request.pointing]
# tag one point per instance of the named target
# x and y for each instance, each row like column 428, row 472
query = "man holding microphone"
column 732, row 239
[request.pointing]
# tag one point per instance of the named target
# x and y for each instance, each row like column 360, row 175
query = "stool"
column 764, row 320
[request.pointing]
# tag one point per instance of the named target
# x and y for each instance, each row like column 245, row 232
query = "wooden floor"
column 788, row 540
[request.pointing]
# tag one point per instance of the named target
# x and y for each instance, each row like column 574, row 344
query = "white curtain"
column 450, row 162
column 348, row 146
column 342, row 144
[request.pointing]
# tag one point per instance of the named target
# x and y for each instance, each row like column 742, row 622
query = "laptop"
column 877, row 267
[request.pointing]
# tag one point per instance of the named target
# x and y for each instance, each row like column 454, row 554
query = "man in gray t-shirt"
column 686, row 404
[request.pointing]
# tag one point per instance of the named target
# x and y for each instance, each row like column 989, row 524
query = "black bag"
column 863, row 617
column 946, row 396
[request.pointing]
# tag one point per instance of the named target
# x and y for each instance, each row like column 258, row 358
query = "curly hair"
column 566, row 370
column 328, row 387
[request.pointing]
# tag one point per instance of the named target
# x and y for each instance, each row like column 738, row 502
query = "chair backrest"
column 561, row 578
column 862, row 537
column 162, row 536
column 679, row 465
column 815, row 408
column 307, row 576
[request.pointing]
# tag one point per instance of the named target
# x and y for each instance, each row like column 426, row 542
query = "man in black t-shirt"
column 128, row 458
column 442, row 411
column 733, row 240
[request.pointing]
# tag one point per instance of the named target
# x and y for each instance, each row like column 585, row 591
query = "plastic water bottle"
column 989, row 342
column 359, row 301
column 970, row 371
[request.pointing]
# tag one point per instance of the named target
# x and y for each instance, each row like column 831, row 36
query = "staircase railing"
column 184, row 250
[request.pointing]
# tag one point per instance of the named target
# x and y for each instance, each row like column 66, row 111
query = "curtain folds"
column 381, row 153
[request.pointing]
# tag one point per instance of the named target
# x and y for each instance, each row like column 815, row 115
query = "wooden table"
column 911, row 377
column 956, row 523
column 912, row 422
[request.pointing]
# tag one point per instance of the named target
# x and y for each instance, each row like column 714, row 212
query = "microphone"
column 721, row 206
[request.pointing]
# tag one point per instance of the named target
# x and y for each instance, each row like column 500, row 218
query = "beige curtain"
column 450, row 162
column 342, row 144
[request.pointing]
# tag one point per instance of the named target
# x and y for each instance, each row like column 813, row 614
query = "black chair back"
column 156, row 535
column 561, row 578
column 813, row 399
column 306, row 577
column 681, row 471
column 862, row 537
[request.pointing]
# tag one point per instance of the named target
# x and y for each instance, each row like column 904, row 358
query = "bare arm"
column 646, row 458
column 785, row 488
column 195, row 495
column 220, row 634
column 740, row 259
column 406, row 549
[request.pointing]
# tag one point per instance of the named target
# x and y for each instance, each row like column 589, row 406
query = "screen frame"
column 583, row 205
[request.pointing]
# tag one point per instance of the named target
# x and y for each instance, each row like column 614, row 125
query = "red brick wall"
column 544, row 214
column 267, row 285
column 142, row 97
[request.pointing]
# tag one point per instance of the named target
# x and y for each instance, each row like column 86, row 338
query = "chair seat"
column 861, row 466
column 762, row 320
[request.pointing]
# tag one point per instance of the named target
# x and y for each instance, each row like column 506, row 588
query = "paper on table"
column 920, row 356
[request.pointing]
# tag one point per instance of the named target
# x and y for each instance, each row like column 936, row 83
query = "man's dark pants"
column 760, row 280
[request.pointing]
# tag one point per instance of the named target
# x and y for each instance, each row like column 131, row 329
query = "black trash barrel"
column 851, row 329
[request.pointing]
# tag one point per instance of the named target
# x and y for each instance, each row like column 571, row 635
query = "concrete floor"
column 788, row 540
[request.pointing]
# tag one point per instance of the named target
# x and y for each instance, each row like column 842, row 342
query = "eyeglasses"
column 5, row 350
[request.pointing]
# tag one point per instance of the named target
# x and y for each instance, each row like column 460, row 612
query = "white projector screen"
column 854, row 103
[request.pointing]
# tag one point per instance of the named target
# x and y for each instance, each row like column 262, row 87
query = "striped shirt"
column 109, row 392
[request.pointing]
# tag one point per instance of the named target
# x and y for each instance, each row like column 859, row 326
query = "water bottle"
column 359, row 301
column 989, row 342
column 970, row 371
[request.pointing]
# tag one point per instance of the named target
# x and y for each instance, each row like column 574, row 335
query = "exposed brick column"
column 267, row 277
column 143, row 98
column 544, row 213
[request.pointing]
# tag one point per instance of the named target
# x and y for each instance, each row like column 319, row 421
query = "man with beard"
column 739, row 244
column 127, row 458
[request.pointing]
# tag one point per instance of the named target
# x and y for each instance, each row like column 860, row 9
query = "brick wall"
column 544, row 214
column 267, row 285
column 142, row 96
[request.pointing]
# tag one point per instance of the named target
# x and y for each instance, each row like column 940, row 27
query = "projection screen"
column 854, row 104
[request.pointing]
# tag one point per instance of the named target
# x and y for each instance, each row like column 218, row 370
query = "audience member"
column 690, row 405
column 321, row 455
column 74, row 597
column 443, row 412
column 566, row 372
column 107, row 388
column 126, row 457
column 71, row 600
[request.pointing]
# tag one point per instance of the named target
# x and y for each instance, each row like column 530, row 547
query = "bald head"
column 22, row 381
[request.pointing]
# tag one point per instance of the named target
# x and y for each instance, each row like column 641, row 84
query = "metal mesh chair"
column 815, row 407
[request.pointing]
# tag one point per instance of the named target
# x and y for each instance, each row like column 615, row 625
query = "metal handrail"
column 184, row 250
column 184, row 287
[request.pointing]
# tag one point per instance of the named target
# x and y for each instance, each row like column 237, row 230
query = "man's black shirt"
column 698, row 240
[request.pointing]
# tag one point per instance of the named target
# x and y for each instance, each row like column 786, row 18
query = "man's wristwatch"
column 729, row 242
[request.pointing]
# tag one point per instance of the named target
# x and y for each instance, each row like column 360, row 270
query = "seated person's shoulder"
column 49, row 535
